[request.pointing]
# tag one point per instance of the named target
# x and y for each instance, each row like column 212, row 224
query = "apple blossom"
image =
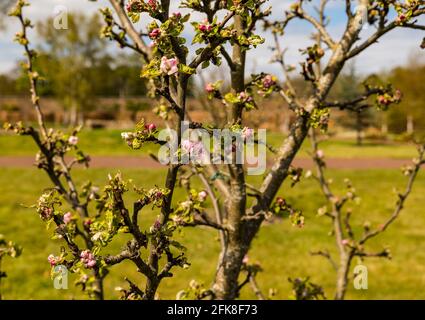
column 73, row 140
column 169, row 66
column 320, row 154
column 88, row 259
column 195, row 149
column 268, row 81
column 244, row 97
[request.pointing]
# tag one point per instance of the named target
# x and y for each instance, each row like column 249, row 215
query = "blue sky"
column 393, row 49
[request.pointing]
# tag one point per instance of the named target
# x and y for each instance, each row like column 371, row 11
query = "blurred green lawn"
column 282, row 250
column 108, row 142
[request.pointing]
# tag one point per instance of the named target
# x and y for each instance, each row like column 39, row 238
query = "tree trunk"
column 98, row 287
column 73, row 115
column 342, row 277
column 226, row 281
column 384, row 126
column 236, row 245
column 359, row 128
column 243, row 231
column 410, row 125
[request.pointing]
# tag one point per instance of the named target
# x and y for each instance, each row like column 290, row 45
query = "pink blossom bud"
column 198, row 151
column 398, row 95
column 244, row 97
column 280, row 201
column 46, row 213
column 320, row 154
column 401, row 18
column 345, row 242
column 187, row 146
column 91, row 263
column 177, row 15
column 202, row 196
column 87, row 258
column 152, row 4
column 151, row 127
column 245, row 259
column 84, row 254
column 205, row 27
column 67, row 217
column 52, row 260
column 247, row 133
column 157, row 225
column 268, row 81
column 155, row 33
column 383, row 100
column 209, row 88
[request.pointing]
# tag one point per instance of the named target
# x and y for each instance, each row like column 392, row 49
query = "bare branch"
column 130, row 30
column 402, row 197
column 326, row 255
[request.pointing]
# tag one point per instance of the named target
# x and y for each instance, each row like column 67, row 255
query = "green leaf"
column 186, row 69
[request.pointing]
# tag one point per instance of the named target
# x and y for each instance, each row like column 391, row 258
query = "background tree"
column 349, row 87
column 67, row 56
column 409, row 117
column 350, row 242
column 5, row 5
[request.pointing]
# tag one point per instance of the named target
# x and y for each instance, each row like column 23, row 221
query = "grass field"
column 282, row 250
column 108, row 142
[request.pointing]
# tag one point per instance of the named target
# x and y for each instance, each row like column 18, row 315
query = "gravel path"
column 148, row 163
